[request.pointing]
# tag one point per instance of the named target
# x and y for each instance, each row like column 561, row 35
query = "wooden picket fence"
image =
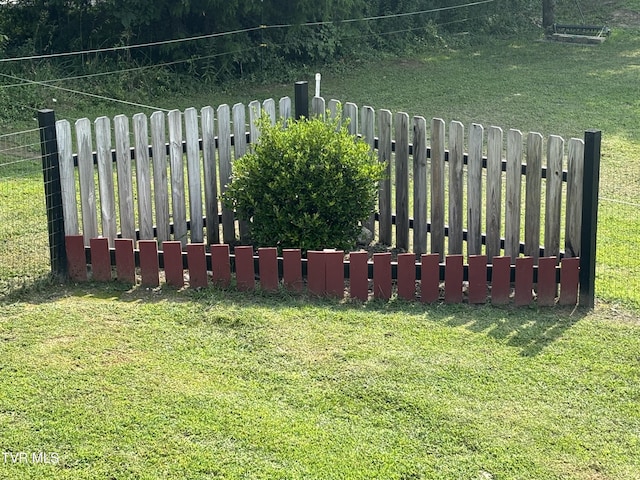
column 210, row 152
column 154, row 173
column 139, row 166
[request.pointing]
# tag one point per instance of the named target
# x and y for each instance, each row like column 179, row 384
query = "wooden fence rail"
column 159, row 178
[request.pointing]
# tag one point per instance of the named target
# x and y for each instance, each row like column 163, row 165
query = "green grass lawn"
column 155, row 384
column 158, row 384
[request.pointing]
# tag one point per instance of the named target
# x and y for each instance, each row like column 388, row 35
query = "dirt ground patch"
column 625, row 18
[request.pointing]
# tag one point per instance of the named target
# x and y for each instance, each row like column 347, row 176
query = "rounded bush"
column 305, row 186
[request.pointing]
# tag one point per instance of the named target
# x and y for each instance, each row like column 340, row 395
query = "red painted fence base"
column 245, row 271
column 407, row 276
column 382, row 281
column 501, row 280
column 173, row 266
column 149, row 263
column 125, row 261
column 291, row 269
column 477, row 279
column 326, row 271
column 76, row 258
column 197, row 261
column 100, row 259
column 430, row 278
column 359, row 276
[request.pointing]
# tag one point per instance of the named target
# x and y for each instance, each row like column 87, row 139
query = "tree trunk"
column 548, row 13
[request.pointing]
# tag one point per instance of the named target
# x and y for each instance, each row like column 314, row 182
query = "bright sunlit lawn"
column 162, row 384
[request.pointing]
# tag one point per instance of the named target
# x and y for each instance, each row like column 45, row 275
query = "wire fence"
column 618, row 257
column 24, row 250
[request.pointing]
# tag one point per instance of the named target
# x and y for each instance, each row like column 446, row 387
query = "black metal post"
column 590, row 189
column 52, row 191
column 302, row 100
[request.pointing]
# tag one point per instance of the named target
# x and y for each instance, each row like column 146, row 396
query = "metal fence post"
column 590, row 189
column 301, row 100
column 52, row 191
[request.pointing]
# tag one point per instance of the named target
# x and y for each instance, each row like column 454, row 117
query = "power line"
column 406, row 30
column 24, row 132
column 22, row 160
column 234, row 32
column 622, row 202
column 133, row 69
column 129, row 47
column 78, row 92
column 407, row 14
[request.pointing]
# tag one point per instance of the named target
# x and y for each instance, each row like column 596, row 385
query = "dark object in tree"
column 548, row 13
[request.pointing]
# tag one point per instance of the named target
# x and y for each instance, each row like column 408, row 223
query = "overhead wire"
column 406, row 14
column 79, row 92
column 412, row 29
column 48, row 83
column 128, row 47
column 622, row 202
column 13, row 134
column 133, row 69
column 238, row 31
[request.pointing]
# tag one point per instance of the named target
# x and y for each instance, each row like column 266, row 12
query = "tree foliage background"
column 341, row 28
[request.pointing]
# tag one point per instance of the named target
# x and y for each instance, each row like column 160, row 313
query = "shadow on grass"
column 528, row 329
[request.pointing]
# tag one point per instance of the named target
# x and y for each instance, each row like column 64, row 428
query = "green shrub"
column 305, row 186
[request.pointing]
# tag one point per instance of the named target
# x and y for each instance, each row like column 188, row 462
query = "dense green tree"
column 52, row 26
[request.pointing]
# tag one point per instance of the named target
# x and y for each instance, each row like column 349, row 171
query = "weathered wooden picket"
column 148, row 199
column 158, row 168
column 204, row 167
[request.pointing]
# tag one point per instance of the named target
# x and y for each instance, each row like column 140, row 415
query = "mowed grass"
column 158, row 384
column 214, row 384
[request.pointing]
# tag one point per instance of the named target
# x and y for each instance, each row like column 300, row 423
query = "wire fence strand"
column 24, row 255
